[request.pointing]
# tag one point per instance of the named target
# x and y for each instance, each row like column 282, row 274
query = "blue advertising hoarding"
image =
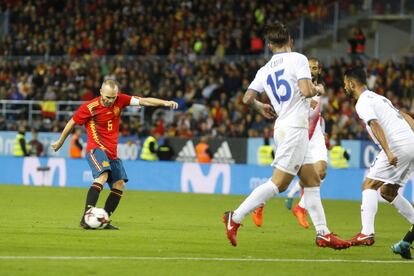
column 362, row 153
column 175, row 177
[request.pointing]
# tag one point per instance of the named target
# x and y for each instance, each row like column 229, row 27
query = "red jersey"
column 102, row 123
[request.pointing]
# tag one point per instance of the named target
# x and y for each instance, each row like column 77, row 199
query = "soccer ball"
column 96, row 218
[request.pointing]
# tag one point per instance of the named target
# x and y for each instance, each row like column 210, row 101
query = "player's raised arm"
column 153, row 102
column 266, row 110
column 68, row 129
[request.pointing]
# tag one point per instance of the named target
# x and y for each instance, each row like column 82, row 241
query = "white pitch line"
column 205, row 259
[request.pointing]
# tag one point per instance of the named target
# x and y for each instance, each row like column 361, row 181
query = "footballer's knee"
column 389, row 192
column 322, row 174
column 282, row 187
column 102, row 178
column 281, row 179
column 372, row 184
column 322, row 170
column 119, row 185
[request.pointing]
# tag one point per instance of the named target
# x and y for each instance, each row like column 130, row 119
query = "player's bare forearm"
column 67, row 130
column 65, row 133
column 265, row 109
column 249, row 99
column 157, row 102
column 308, row 89
column 380, row 135
column 408, row 119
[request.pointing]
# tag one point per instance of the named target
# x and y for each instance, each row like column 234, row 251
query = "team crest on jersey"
column 105, row 163
column 116, row 111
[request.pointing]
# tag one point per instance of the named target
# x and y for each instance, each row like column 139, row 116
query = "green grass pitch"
column 182, row 234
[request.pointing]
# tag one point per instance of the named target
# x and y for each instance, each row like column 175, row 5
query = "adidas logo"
column 223, row 154
column 187, row 153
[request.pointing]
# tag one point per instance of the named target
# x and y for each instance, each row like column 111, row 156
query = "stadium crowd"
column 130, row 27
column 187, row 62
column 209, row 91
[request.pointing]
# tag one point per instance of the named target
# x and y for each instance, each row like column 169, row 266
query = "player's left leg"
column 116, row 180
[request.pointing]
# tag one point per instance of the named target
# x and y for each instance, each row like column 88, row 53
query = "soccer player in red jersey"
column 101, row 117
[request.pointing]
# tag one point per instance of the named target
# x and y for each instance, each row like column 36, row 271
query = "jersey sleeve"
column 124, row 99
column 257, row 84
column 82, row 115
column 302, row 68
column 366, row 110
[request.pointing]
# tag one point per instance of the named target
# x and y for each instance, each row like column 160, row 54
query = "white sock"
column 258, row 197
column 404, row 207
column 369, row 208
column 302, row 202
column 295, row 189
column 314, row 207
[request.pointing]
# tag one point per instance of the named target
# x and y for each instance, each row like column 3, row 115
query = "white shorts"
column 317, row 146
column 381, row 170
column 291, row 149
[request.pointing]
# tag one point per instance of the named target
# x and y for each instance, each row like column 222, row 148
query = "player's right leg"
column 311, row 182
column 99, row 164
column 288, row 157
column 275, row 185
column 369, row 208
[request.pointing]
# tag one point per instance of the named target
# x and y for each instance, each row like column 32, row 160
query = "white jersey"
column 371, row 106
column 279, row 79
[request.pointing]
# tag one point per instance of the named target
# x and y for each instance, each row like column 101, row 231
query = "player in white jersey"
column 286, row 79
column 316, row 147
column 392, row 131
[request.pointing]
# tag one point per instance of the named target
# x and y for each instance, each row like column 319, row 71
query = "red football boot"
column 331, row 240
column 362, row 239
column 231, row 227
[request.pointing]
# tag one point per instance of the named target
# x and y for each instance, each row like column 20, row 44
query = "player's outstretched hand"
column 392, row 159
column 56, row 145
column 171, row 104
column 268, row 112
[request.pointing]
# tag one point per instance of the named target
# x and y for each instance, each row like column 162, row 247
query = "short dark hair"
column 315, row 60
column 277, row 33
column 357, row 73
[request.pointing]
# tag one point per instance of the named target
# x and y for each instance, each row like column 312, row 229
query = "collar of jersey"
column 280, row 53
